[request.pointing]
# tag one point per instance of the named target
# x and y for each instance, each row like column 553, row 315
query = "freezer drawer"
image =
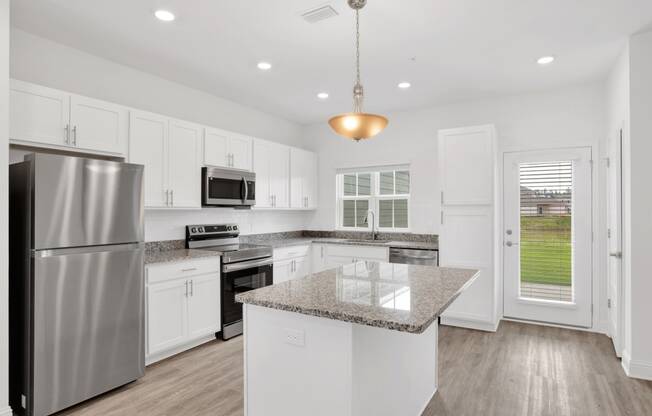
column 88, row 323
column 84, row 202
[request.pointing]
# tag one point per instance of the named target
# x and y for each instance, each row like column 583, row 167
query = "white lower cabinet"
column 291, row 263
column 183, row 306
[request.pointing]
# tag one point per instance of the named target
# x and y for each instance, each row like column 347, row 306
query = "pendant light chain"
column 357, row 46
column 358, row 92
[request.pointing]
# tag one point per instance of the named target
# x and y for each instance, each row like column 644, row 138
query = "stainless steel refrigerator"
column 76, row 280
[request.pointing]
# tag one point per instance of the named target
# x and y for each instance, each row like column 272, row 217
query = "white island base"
column 299, row 365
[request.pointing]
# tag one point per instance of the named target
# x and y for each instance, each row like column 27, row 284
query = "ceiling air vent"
column 318, row 14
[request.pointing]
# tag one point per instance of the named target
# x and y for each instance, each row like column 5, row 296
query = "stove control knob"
column 193, row 230
column 229, row 228
column 200, row 229
column 235, row 228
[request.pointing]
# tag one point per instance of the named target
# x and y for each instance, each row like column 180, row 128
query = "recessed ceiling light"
column 164, row 15
column 322, row 95
column 545, row 60
column 404, row 85
column 264, row 66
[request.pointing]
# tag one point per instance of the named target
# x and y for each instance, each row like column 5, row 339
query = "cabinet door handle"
column 186, row 288
column 67, row 130
column 192, row 288
column 192, row 269
column 167, row 197
column 74, row 135
column 172, row 197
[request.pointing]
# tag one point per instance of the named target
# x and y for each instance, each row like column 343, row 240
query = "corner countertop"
column 406, row 298
column 170, row 256
column 288, row 242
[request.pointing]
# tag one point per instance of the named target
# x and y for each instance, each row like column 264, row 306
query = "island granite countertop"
column 406, row 298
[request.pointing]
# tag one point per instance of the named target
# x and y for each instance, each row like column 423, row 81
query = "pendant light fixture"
column 357, row 125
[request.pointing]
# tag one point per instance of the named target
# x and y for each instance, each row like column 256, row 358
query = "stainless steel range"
column 244, row 267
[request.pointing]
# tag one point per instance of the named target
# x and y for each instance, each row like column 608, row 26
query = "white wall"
column 4, row 195
column 573, row 116
column 44, row 62
column 637, row 356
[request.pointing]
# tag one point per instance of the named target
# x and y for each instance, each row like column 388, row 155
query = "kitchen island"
column 356, row 340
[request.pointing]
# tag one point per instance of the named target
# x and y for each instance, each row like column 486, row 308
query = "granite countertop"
column 401, row 297
column 169, row 256
column 288, row 242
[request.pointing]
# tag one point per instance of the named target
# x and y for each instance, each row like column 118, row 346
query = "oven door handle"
column 234, row 267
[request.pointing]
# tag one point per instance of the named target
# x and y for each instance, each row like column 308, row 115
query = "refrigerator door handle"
column 91, row 249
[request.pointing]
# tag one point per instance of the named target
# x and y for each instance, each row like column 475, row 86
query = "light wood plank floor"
column 520, row 370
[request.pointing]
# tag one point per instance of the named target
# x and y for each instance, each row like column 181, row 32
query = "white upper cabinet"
column 52, row 118
column 226, row 149
column 171, row 152
column 272, row 168
column 466, row 158
column 98, row 125
column 148, row 146
column 184, row 161
column 38, row 114
column 303, row 178
column 241, row 151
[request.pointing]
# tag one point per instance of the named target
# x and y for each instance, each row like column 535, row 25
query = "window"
column 384, row 191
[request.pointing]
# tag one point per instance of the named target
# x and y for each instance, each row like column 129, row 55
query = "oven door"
column 238, row 278
column 223, row 187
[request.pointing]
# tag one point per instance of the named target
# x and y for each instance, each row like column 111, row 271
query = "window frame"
column 374, row 198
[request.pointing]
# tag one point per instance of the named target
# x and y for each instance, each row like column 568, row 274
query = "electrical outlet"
column 295, row 337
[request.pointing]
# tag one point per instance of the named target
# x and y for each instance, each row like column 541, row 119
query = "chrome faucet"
column 374, row 232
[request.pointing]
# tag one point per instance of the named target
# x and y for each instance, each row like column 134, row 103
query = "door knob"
column 509, row 244
column 508, row 232
column 616, row 254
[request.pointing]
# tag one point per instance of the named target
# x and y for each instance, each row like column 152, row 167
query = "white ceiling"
column 462, row 49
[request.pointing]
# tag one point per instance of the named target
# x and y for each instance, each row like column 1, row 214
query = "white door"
column 240, row 150
column 38, row 114
column 547, row 236
column 204, row 305
column 97, row 125
column 615, row 242
column 148, row 146
column 280, row 175
column 263, row 170
column 216, row 145
column 166, row 315
column 184, row 160
column 282, row 271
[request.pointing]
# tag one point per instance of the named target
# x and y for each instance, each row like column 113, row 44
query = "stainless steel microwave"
column 228, row 188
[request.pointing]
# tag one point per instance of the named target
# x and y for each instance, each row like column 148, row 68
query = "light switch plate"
column 295, row 337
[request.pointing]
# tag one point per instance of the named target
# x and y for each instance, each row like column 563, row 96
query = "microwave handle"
column 246, row 190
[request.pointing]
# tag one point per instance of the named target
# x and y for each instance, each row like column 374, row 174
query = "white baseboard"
column 470, row 321
column 6, row 411
column 636, row 369
column 574, row 328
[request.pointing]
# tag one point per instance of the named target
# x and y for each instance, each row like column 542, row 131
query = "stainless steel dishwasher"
column 426, row 257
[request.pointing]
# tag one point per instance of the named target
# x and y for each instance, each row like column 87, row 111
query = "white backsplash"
column 169, row 224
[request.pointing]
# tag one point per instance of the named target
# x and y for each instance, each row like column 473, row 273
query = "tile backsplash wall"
column 170, row 224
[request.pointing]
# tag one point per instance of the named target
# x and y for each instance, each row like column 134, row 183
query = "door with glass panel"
column 547, row 236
